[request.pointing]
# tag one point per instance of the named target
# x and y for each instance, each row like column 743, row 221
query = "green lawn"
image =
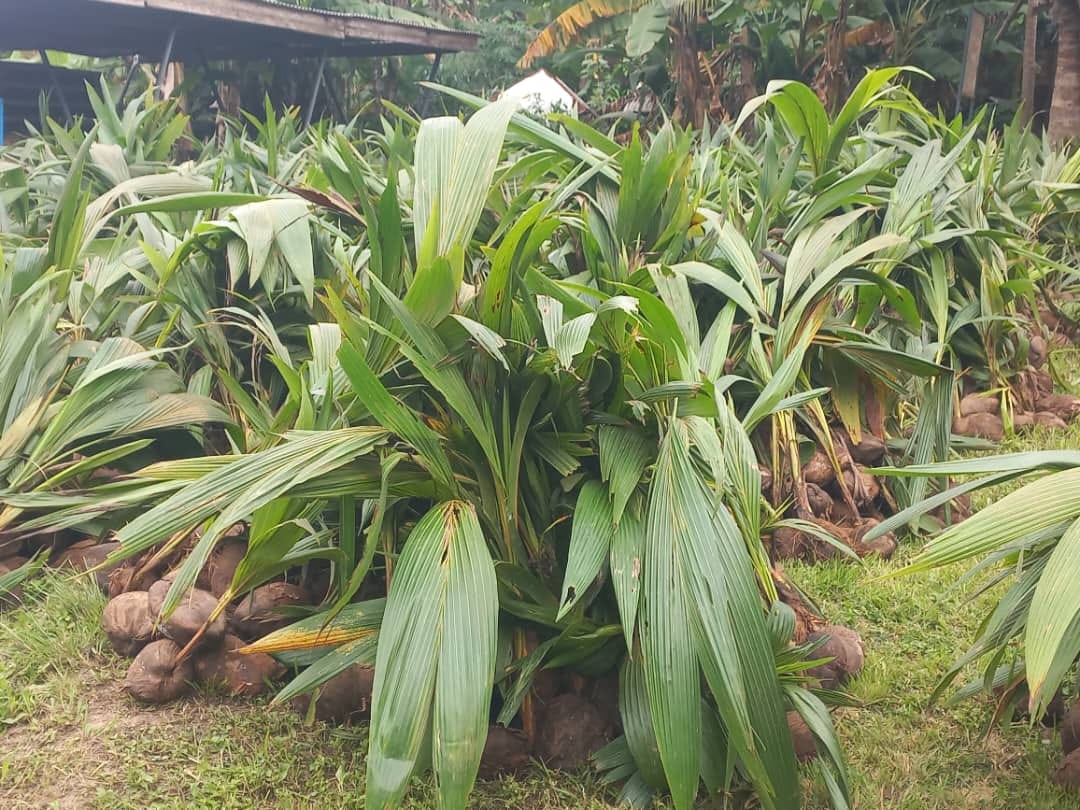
column 72, row 739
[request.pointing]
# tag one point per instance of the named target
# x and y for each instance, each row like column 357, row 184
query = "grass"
column 69, row 738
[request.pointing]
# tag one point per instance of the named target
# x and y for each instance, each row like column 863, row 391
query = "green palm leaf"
column 436, row 659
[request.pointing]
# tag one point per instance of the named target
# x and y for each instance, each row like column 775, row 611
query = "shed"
column 218, row 29
column 199, row 31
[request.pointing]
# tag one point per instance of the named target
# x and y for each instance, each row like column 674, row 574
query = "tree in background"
column 1065, row 107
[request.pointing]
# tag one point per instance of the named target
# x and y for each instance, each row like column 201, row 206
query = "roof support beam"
column 166, row 59
column 310, row 111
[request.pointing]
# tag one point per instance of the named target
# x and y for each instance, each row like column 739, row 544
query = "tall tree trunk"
column 1027, row 72
column 689, row 89
column 1065, row 106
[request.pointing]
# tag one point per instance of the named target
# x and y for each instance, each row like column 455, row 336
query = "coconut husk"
column 87, row 554
column 1023, row 420
column 802, row 738
column 884, row 546
column 818, row 470
column 806, row 619
column 865, row 488
column 1070, row 729
column 844, row 646
column 156, row 676
column 1038, row 350
column 344, row 698
column 870, row 450
column 793, row 544
column 1065, row 406
column 821, row 502
column 1029, row 386
column 980, row 403
column 191, row 614
column 843, row 515
column 128, row 623
column 10, row 546
column 766, row 479
column 12, row 598
column 258, row 613
column 1047, row 419
column 570, row 730
column 980, row 425
column 125, row 578
column 236, row 674
column 11, row 563
column 1067, row 773
column 218, row 574
column 506, row 750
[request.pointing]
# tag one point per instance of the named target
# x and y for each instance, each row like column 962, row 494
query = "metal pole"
column 166, row 60
column 426, row 102
column 310, row 111
column 127, row 81
column 56, row 86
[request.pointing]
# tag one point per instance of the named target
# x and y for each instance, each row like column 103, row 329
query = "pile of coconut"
column 196, row 643
column 570, row 717
column 1031, row 400
column 838, row 497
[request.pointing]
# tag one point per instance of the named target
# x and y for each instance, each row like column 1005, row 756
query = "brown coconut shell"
column 1067, row 773
column 870, row 450
column 802, row 738
column 506, row 751
column 884, row 546
column 217, row 576
column 867, row 490
column 766, row 479
column 818, row 470
column 11, row 563
column 237, row 674
column 980, row 425
column 1070, row 729
column 190, row 615
column 344, row 698
column 156, row 676
column 1023, row 420
column 258, row 614
column 570, row 730
column 1038, row 349
column 10, row 546
column 844, row 646
column 1064, row 406
column 980, row 403
column 88, row 554
column 128, row 623
column 1049, row 420
column 821, row 502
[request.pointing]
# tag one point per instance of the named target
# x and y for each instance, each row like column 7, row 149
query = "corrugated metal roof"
column 217, row 29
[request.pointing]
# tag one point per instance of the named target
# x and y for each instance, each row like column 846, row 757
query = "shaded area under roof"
column 22, row 83
column 213, row 29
